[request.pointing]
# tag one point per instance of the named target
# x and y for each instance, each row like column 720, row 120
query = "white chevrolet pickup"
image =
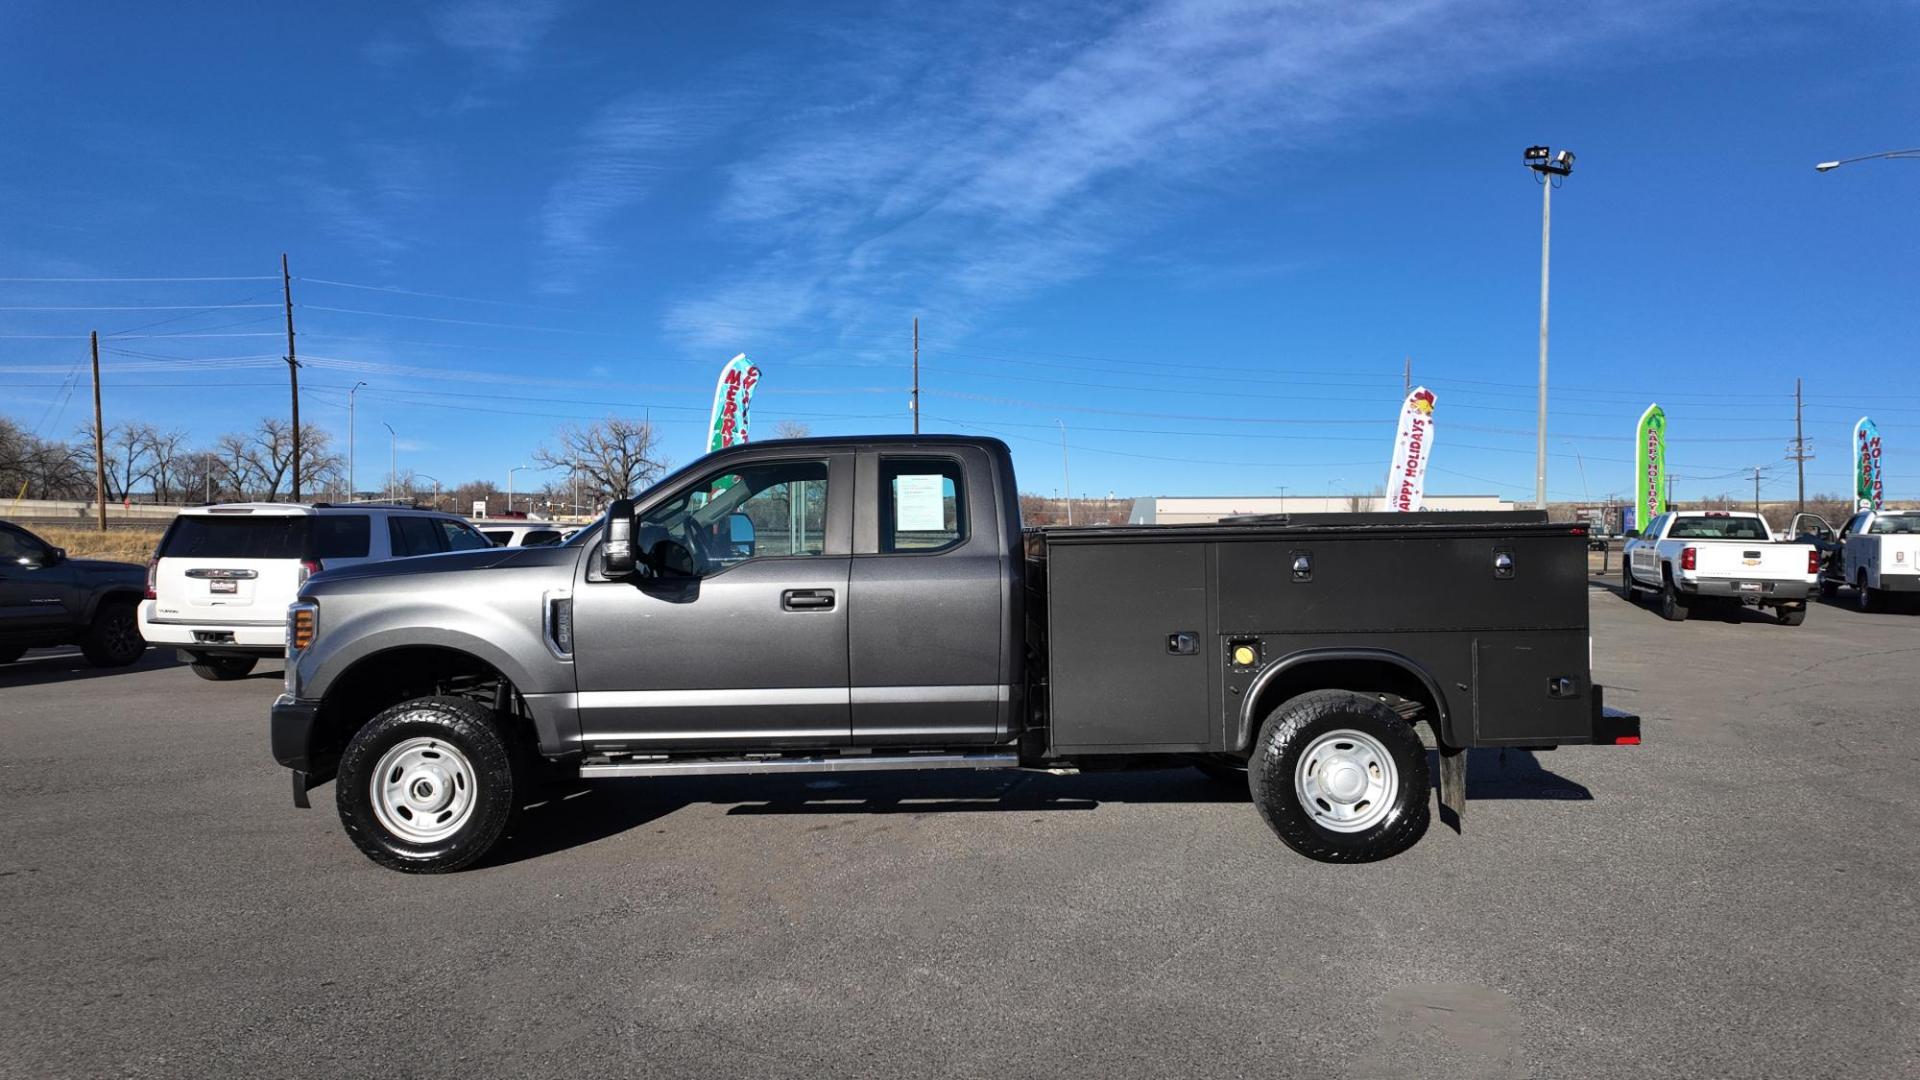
column 1686, row 557
column 1876, row 551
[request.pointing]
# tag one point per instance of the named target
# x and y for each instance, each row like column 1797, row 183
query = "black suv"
column 48, row 599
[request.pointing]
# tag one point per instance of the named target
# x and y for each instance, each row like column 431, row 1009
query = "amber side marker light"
column 302, row 628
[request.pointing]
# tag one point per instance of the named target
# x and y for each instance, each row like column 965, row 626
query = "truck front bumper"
column 1732, row 589
column 304, row 741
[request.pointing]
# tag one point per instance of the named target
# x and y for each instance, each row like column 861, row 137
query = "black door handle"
column 807, row 599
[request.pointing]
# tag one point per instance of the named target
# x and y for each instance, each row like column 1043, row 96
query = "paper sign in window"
column 919, row 504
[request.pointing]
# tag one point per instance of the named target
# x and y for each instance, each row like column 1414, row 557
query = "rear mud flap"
column 1453, row 786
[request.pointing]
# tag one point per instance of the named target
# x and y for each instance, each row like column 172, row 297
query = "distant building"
column 1194, row 510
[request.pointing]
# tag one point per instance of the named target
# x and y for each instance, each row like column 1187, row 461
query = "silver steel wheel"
column 1346, row 780
column 423, row 790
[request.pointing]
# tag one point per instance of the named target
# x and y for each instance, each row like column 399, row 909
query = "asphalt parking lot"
column 1737, row 897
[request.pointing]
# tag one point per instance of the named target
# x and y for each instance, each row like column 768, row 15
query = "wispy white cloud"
column 368, row 201
column 969, row 163
column 500, row 33
column 616, row 160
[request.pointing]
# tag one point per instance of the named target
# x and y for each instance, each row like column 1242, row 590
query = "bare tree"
column 792, row 429
column 611, row 457
column 36, row 468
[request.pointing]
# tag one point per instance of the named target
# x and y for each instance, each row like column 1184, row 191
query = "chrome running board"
column 850, row 763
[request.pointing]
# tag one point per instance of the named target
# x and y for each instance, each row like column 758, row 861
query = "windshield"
column 1904, row 525
column 1718, row 528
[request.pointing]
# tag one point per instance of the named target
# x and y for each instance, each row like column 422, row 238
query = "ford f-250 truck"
column 1689, row 557
column 1876, row 551
column 827, row 605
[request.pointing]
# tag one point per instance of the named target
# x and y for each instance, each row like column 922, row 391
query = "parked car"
column 1687, row 557
column 521, row 532
column 837, row 605
column 48, row 599
column 1877, row 552
column 222, row 576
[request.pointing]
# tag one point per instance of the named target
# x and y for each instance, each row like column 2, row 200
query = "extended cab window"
column 1718, row 528
column 1902, row 526
column 768, row 510
column 341, row 536
column 922, row 504
column 19, row 549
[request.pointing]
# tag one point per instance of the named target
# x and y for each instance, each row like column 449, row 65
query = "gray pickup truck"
column 831, row 605
column 48, row 599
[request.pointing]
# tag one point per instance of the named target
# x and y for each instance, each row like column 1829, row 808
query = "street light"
column 1890, row 155
column 436, row 487
column 510, row 473
column 1550, row 169
column 393, row 469
column 1066, row 479
column 352, row 486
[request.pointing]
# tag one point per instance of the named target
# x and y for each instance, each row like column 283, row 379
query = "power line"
column 135, row 307
column 436, row 296
column 123, row 280
column 456, row 322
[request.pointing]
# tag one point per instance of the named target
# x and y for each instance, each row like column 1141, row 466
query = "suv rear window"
column 210, row 536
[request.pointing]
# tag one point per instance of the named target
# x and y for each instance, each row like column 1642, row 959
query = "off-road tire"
column 1288, row 732
column 113, row 638
column 10, row 653
column 1627, row 591
column 497, row 772
column 224, row 668
column 1793, row 614
column 1673, row 607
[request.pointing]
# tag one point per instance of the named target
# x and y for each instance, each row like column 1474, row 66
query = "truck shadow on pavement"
column 587, row 813
column 40, row 667
column 1701, row 610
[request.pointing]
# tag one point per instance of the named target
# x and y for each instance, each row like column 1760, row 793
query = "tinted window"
column 1718, row 528
column 1904, row 526
column 341, row 536
column 460, row 536
column 219, row 536
column 541, row 538
column 413, row 535
column 922, row 504
column 16, row 546
column 499, row 537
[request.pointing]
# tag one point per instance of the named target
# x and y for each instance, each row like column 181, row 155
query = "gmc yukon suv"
column 829, row 605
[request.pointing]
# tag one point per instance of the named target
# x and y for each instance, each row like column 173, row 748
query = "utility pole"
column 1066, row 478
column 1800, row 455
column 293, row 371
column 99, row 438
column 393, row 458
column 916, row 374
column 1756, row 489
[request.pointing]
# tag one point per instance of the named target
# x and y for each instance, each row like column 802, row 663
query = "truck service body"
column 873, row 603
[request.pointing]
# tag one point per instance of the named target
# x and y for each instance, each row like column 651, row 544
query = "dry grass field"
column 125, row 545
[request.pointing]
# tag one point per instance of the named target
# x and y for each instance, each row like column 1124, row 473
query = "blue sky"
column 1202, row 235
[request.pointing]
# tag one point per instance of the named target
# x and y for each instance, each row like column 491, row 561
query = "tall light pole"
column 1066, row 478
column 436, row 487
column 393, row 452
column 352, row 486
column 510, row 473
column 1888, row 155
column 1549, row 169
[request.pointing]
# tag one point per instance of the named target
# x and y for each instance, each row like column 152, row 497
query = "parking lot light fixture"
column 510, row 473
column 1550, row 169
column 1910, row 154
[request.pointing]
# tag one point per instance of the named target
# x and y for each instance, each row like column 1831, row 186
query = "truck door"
column 1645, row 558
column 929, row 585
column 737, row 634
column 35, row 591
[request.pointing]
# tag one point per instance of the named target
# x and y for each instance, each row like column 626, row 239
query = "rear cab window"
column 923, row 505
column 1718, row 528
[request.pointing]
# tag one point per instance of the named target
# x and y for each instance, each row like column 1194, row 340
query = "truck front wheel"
column 429, row 785
column 113, row 639
column 1340, row 777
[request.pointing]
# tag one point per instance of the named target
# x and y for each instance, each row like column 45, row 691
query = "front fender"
column 511, row 645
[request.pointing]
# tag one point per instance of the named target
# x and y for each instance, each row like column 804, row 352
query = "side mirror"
column 1633, row 534
column 616, row 551
column 740, row 535
column 58, row 555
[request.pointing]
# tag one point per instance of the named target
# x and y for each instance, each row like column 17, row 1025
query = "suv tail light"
column 308, row 568
column 1813, row 561
column 1689, row 558
column 153, row 571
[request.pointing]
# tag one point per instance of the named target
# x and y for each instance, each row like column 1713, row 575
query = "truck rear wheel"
column 1673, row 606
column 1793, row 614
column 1340, row 777
column 1865, row 597
column 113, row 639
column 429, row 785
column 223, row 668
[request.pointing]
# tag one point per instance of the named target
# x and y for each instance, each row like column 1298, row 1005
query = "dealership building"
column 1195, row 510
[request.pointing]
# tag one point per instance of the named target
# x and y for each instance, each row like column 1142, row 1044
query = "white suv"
column 221, row 579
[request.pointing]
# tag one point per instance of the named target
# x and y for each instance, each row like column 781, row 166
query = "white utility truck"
column 1689, row 557
column 1877, row 552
